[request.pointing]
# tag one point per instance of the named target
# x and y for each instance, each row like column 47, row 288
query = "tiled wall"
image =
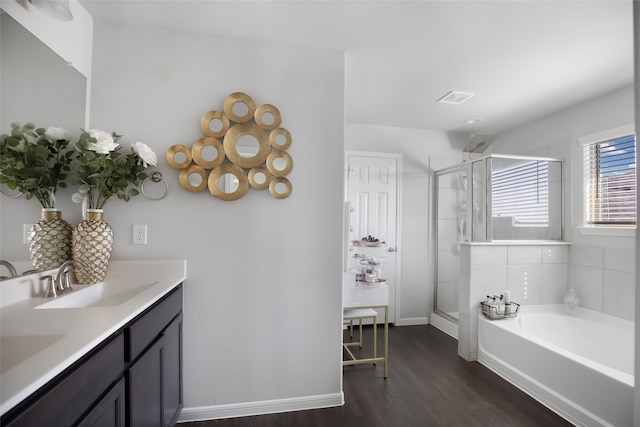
column 604, row 278
column 534, row 274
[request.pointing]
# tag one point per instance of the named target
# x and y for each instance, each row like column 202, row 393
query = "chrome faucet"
column 10, row 267
column 62, row 281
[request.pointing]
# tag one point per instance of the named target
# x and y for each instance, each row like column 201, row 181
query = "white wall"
column 422, row 153
column 71, row 40
column 601, row 266
column 263, row 291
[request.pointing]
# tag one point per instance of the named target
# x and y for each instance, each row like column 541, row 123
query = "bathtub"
column 579, row 365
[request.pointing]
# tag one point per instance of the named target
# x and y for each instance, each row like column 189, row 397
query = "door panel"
column 372, row 187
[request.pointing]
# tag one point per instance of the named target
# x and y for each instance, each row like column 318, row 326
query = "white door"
column 372, row 188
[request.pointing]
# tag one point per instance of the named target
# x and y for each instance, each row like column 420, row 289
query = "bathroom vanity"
column 108, row 354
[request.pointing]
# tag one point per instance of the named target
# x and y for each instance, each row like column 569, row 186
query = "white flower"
column 19, row 148
column 145, row 153
column 104, row 142
column 55, row 134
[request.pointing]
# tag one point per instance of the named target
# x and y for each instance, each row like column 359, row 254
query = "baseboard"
column 246, row 409
column 444, row 325
column 412, row 321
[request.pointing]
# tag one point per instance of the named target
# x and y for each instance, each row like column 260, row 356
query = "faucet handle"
column 66, row 280
column 51, row 291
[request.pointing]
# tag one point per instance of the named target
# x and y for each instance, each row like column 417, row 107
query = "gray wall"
column 263, row 291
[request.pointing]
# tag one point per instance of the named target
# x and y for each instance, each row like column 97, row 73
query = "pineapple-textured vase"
column 92, row 243
column 50, row 240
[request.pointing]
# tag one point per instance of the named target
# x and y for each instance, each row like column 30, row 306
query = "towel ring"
column 155, row 177
column 11, row 196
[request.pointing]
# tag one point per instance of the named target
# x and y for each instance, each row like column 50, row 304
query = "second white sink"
column 105, row 294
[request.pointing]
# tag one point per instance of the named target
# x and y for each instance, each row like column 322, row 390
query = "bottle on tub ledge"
column 571, row 300
column 507, row 303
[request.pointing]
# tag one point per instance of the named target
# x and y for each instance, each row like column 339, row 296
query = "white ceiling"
column 521, row 59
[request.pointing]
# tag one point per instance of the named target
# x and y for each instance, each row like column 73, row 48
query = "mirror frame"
column 214, row 115
column 196, row 152
column 259, row 185
column 273, row 136
column 184, row 178
column 175, row 149
column 225, row 168
column 264, row 109
column 232, row 99
column 279, row 180
column 231, row 138
column 279, row 154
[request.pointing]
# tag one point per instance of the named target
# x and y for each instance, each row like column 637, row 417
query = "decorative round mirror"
column 247, row 146
column 280, row 139
column 267, row 116
column 247, row 131
column 259, row 178
column 280, row 188
column 279, row 163
column 179, row 156
column 228, row 182
column 214, row 124
column 207, row 152
column 239, row 107
column 193, row 178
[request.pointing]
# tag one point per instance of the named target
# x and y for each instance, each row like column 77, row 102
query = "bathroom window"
column 520, row 192
column 610, row 179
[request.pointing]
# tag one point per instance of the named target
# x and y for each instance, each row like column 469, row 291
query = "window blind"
column 610, row 181
column 521, row 191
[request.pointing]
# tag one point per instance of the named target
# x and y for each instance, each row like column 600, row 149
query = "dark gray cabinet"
column 134, row 378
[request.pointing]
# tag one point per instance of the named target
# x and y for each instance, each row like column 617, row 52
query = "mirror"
column 214, row 124
column 207, row 152
column 280, row 188
column 179, row 156
column 30, row 70
column 193, row 178
column 279, row 163
column 248, row 132
column 268, row 117
column 280, row 139
column 228, row 182
column 247, row 146
column 259, row 178
column 239, row 107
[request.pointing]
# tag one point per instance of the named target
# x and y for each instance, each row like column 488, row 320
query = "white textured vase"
column 92, row 243
column 50, row 240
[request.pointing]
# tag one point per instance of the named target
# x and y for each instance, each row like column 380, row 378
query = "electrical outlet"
column 140, row 234
column 27, row 230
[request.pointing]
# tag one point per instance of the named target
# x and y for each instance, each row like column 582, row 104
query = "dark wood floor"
column 428, row 385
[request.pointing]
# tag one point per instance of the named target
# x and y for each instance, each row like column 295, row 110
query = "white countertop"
column 38, row 344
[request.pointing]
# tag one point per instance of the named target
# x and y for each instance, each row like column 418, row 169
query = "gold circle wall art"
column 243, row 146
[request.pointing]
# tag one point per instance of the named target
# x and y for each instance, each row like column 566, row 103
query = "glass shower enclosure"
column 497, row 198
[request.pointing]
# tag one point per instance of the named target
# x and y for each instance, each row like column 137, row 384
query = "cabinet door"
column 172, row 372
column 66, row 399
column 155, row 381
column 109, row 412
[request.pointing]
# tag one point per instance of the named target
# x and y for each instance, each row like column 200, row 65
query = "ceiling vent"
column 455, row 97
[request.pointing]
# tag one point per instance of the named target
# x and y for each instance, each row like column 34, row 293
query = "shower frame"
column 468, row 234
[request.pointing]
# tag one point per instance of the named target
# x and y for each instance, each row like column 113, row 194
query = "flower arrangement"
column 103, row 171
column 35, row 161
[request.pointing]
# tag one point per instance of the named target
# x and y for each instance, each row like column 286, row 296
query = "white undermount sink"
column 105, row 294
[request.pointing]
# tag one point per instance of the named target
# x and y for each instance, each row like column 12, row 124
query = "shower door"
column 451, row 228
